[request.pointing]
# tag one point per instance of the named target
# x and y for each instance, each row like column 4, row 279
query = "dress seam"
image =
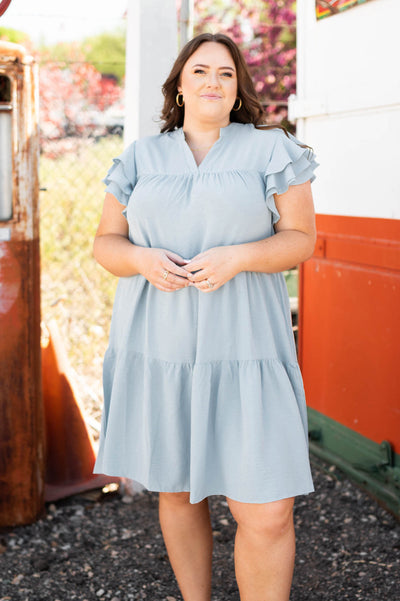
column 194, row 173
column 191, row 363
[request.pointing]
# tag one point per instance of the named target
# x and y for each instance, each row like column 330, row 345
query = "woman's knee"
column 175, row 498
column 269, row 520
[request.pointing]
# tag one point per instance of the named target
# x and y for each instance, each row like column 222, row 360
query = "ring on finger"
column 210, row 284
column 165, row 274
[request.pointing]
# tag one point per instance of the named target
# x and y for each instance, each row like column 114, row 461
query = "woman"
column 203, row 393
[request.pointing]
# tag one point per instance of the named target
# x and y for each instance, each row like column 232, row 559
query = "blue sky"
column 51, row 21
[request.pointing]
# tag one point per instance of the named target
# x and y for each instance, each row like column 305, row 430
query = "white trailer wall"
column 348, row 106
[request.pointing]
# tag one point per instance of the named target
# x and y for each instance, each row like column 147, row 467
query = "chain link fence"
column 81, row 127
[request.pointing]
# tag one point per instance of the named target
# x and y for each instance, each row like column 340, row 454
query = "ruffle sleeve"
column 289, row 164
column 121, row 177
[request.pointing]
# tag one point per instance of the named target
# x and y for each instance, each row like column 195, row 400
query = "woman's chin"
column 211, row 112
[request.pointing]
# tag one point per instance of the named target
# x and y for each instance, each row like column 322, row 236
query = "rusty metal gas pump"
column 21, row 412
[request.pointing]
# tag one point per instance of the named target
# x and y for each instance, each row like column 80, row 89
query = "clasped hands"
column 207, row 271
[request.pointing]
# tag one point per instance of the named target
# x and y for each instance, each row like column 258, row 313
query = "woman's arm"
column 112, row 248
column 293, row 243
column 295, row 236
column 116, row 253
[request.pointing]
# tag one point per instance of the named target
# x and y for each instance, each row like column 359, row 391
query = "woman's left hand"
column 214, row 267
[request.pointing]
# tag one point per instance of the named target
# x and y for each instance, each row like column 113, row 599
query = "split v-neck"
column 223, row 132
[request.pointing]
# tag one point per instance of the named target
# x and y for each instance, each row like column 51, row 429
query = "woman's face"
column 209, row 84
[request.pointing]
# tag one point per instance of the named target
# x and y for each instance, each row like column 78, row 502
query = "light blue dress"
column 202, row 391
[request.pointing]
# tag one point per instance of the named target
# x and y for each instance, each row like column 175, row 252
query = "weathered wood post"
column 21, row 412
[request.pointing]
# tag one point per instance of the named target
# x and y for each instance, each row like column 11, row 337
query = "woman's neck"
column 201, row 136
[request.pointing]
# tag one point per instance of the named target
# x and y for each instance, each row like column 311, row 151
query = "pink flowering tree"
column 72, row 96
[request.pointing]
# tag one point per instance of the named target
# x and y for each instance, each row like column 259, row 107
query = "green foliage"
column 13, row 35
column 106, row 52
column 62, row 52
column 292, row 281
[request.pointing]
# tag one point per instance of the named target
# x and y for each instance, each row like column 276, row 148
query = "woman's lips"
column 211, row 97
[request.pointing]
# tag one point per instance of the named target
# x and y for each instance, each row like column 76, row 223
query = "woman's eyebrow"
column 208, row 66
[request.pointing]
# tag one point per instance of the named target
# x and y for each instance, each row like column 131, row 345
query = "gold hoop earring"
column 181, row 103
column 240, row 104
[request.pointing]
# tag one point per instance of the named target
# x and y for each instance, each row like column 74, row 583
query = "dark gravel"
column 95, row 546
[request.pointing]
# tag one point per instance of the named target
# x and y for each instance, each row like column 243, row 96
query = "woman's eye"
column 227, row 74
column 198, row 71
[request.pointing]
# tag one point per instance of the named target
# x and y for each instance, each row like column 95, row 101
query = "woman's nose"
column 212, row 79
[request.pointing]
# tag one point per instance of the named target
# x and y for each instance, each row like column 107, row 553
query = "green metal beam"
column 374, row 467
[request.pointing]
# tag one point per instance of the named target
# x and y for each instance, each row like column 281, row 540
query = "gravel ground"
column 96, row 546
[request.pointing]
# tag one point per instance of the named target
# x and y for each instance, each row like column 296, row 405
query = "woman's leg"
column 264, row 549
column 187, row 534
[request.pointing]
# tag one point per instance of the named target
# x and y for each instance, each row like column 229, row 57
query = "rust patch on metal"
column 21, row 412
column 13, row 52
column 10, row 282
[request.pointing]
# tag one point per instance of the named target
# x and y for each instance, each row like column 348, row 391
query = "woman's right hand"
column 116, row 253
column 162, row 268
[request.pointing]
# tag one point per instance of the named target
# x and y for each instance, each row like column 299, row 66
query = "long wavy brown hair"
column 251, row 110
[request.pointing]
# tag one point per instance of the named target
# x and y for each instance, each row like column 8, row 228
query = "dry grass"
column 76, row 291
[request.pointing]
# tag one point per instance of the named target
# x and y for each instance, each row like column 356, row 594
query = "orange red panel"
column 349, row 325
